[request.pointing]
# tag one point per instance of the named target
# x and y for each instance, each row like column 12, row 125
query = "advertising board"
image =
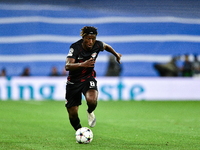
column 110, row 88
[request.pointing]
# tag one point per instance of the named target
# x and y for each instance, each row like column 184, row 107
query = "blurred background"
column 37, row 34
column 157, row 38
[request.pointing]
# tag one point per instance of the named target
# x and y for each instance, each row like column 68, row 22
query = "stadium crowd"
column 186, row 66
column 179, row 66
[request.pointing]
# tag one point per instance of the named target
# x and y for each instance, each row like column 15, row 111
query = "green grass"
column 44, row 125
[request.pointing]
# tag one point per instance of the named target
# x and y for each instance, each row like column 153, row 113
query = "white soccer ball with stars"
column 84, row 135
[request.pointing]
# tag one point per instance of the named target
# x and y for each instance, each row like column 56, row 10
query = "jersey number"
column 92, row 84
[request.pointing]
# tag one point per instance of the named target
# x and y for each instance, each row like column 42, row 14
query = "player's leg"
column 91, row 98
column 91, row 94
column 73, row 117
column 73, row 100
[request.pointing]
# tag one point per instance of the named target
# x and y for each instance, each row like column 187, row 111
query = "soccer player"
column 80, row 63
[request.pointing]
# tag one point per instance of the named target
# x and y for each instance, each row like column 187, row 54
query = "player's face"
column 88, row 41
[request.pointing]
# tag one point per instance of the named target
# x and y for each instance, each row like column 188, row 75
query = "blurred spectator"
column 187, row 67
column 196, row 66
column 54, row 71
column 3, row 72
column 26, row 72
column 64, row 72
column 114, row 68
column 169, row 69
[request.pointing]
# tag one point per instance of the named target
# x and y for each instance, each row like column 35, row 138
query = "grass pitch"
column 44, row 125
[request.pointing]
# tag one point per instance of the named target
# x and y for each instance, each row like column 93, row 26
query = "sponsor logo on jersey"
column 79, row 57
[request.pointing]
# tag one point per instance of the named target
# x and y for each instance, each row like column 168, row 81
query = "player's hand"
column 89, row 63
column 118, row 58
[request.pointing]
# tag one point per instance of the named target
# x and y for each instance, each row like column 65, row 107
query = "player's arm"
column 111, row 50
column 71, row 65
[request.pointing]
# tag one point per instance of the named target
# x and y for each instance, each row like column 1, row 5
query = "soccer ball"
column 84, row 135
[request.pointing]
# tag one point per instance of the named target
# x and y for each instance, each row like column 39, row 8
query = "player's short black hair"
column 88, row 30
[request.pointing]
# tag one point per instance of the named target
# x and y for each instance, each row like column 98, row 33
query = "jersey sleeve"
column 72, row 52
column 101, row 45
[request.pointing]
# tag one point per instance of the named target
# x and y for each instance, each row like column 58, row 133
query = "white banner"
column 110, row 88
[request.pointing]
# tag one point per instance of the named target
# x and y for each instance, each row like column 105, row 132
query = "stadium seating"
column 39, row 36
